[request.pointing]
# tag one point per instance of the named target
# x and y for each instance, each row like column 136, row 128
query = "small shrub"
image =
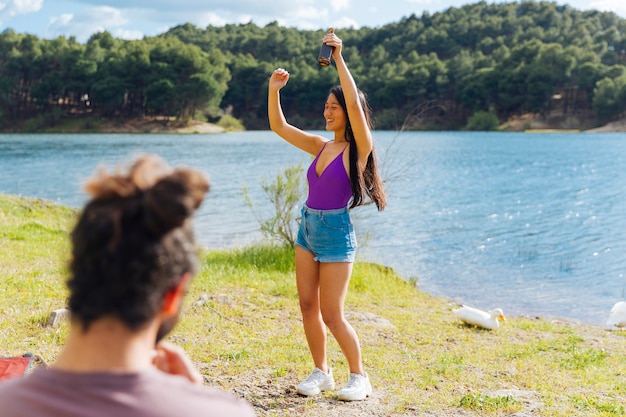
column 483, row 121
column 230, row 123
column 285, row 193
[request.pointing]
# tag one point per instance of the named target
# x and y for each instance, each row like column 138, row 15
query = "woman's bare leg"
column 334, row 278
column 308, row 284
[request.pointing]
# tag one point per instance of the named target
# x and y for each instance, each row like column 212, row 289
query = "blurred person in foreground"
column 133, row 257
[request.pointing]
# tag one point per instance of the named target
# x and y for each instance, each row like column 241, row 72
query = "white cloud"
column 276, row 8
column 25, row 6
column 127, row 34
column 302, row 14
column 339, row 5
column 62, row 20
column 617, row 6
column 423, row 2
column 345, row 22
column 131, row 19
column 90, row 21
column 210, row 18
column 16, row 7
column 306, row 13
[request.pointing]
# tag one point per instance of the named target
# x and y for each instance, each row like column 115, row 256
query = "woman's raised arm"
column 356, row 112
column 307, row 142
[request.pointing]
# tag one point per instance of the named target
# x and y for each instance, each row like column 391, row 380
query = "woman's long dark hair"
column 366, row 184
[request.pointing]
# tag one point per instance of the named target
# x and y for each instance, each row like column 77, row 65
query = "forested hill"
column 464, row 67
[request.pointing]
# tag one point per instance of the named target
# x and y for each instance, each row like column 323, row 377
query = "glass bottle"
column 325, row 52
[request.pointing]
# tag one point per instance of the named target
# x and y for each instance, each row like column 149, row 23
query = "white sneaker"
column 317, row 382
column 358, row 388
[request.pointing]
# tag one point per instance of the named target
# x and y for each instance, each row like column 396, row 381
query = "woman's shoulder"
column 318, row 143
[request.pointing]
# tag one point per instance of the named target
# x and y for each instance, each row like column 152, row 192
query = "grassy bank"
column 242, row 327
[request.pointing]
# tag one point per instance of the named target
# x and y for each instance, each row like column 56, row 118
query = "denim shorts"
column 327, row 234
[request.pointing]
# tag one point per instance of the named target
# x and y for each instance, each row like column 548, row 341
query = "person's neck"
column 340, row 136
column 108, row 346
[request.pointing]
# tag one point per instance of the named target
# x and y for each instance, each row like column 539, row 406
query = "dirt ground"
column 617, row 126
column 278, row 397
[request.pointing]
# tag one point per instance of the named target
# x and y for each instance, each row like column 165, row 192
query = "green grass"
column 490, row 404
column 242, row 327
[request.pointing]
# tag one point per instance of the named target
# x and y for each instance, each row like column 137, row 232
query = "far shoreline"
column 528, row 123
column 133, row 126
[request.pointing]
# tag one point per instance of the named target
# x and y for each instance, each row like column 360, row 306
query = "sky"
column 134, row 19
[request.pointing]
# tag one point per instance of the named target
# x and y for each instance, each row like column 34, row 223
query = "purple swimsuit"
column 332, row 189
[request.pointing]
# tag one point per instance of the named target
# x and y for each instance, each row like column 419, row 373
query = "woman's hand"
column 279, row 79
column 173, row 360
column 331, row 39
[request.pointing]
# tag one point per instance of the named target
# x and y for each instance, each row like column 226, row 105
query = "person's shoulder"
column 228, row 401
column 153, row 393
column 194, row 399
column 17, row 391
column 17, row 383
column 7, row 386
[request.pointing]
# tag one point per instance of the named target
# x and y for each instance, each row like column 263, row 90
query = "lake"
column 531, row 223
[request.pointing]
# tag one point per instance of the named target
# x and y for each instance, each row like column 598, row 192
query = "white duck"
column 617, row 317
column 476, row 317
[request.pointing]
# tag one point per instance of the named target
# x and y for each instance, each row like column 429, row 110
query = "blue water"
column 531, row 223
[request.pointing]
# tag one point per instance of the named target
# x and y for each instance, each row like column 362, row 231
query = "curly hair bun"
column 173, row 199
column 168, row 196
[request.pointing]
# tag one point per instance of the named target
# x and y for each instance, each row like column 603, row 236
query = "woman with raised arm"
column 343, row 175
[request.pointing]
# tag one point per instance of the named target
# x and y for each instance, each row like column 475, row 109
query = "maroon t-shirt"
column 151, row 393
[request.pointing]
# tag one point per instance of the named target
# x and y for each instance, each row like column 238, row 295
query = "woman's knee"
column 333, row 319
column 309, row 306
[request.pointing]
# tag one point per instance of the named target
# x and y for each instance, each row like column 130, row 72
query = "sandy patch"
column 617, row 126
column 159, row 126
column 200, row 127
